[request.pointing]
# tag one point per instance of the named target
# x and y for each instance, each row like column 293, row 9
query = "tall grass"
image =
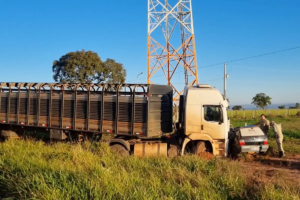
column 34, row 170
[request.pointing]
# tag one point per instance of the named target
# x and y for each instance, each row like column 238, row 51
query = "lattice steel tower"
column 171, row 42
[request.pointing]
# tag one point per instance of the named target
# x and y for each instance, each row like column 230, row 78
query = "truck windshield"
column 212, row 113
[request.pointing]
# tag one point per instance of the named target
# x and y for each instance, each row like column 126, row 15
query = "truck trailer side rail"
column 111, row 108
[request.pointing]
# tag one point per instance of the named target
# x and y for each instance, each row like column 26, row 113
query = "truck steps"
column 219, row 147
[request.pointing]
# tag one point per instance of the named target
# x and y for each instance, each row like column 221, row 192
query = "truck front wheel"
column 119, row 149
column 202, row 147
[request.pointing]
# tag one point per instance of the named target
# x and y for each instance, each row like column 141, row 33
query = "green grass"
column 290, row 124
column 34, row 170
column 248, row 114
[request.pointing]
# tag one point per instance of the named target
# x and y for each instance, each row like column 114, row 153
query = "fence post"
column 285, row 112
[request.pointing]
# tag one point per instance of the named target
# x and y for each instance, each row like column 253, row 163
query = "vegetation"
column 237, row 108
column 281, row 107
column 297, row 106
column 87, row 67
column 114, row 73
column 249, row 114
column 33, row 170
column 261, row 100
column 288, row 123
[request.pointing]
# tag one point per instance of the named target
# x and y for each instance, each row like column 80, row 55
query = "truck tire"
column 173, row 151
column 201, row 148
column 119, row 149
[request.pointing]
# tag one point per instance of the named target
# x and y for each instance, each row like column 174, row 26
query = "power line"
column 213, row 80
column 236, row 60
column 265, row 68
column 265, row 54
column 262, row 81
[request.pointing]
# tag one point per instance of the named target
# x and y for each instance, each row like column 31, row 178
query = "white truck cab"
column 205, row 119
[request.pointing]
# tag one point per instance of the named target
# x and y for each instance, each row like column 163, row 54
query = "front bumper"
column 254, row 148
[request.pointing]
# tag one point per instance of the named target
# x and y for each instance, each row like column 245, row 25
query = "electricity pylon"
column 171, row 42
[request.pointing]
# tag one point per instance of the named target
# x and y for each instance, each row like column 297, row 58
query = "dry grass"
column 34, row 170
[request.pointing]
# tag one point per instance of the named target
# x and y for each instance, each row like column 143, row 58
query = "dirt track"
column 270, row 169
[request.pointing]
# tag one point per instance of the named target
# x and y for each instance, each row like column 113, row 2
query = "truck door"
column 212, row 121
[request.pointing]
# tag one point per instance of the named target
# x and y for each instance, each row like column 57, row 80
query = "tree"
column 114, row 73
column 237, row 108
column 281, row 107
column 87, row 67
column 261, row 100
column 297, row 106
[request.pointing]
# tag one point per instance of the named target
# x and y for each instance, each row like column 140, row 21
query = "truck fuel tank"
column 150, row 149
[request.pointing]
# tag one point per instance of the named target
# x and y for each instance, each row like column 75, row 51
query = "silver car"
column 247, row 139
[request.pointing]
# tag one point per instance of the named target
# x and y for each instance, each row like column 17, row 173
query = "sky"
column 34, row 33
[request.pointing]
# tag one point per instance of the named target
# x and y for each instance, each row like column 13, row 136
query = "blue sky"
column 34, row 33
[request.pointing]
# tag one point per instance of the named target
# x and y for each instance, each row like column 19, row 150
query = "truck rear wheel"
column 173, row 151
column 119, row 149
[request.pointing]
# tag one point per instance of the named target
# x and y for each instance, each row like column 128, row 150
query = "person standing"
column 279, row 137
column 264, row 124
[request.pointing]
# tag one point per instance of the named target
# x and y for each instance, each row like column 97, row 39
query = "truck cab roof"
column 205, row 93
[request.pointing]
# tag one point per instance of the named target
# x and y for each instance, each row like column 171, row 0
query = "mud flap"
column 57, row 134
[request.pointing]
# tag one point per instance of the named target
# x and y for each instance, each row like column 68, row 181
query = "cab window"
column 212, row 113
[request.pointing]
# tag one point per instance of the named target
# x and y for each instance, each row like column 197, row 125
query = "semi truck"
column 139, row 117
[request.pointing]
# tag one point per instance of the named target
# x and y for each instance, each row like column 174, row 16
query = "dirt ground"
column 268, row 168
column 272, row 169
